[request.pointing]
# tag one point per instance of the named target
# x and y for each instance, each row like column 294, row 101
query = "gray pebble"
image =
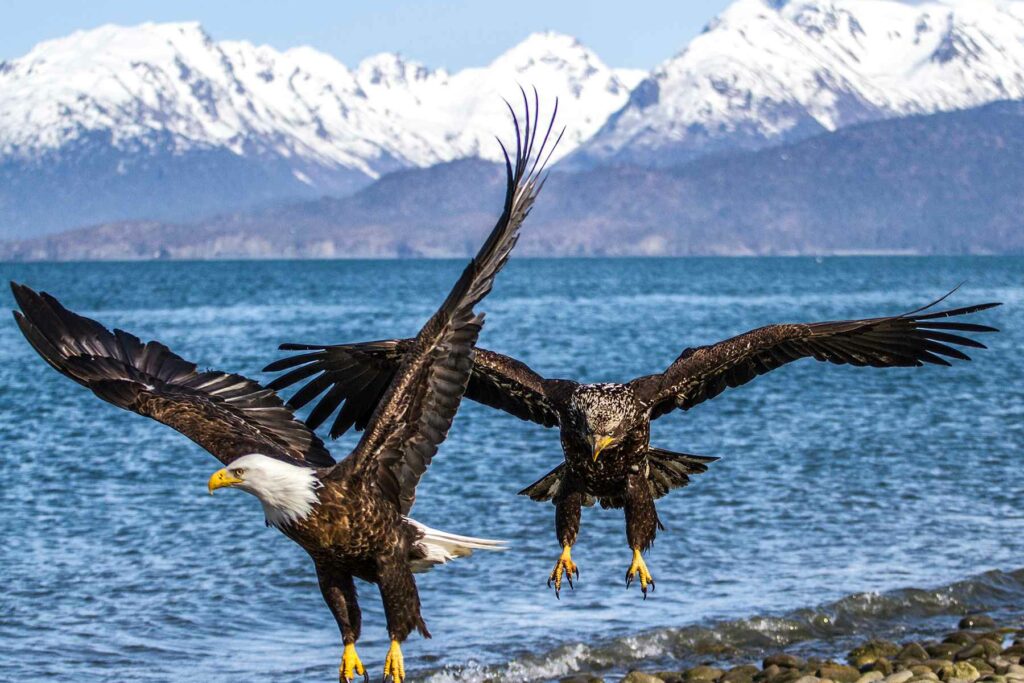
column 641, row 677
column 973, row 650
column 670, row 676
column 939, row 665
column 943, row 650
column 703, row 673
column 961, row 672
column 912, row 651
column 899, row 677
column 808, row 679
column 976, row 621
column 839, row 672
column 960, row 638
column 871, row 676
column 783, row 660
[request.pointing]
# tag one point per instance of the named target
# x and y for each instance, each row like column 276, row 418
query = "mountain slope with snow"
column 162, row 122
column 771, row 71
column 948, row 183
column 133, row 122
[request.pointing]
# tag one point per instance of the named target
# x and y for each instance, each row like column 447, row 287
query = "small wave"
column 823, row 631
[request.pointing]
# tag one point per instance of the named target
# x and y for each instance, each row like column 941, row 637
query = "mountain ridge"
column 162, row 123
column 766, row 72
column 253, row 123
column 953, row 183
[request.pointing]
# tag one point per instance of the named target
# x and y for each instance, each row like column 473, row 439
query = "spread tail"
column 436, row 547
column 666, row 471
column 546, row 487
column 670, row 470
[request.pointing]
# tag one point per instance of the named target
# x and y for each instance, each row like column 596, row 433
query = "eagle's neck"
column 289, row 496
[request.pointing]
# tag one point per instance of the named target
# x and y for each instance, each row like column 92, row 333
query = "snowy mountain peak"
column 390, row 69
column 546, row 46
column 553, row 51
column 769, row 71
column 172, row 87
column 111, row 42
column 94, row 121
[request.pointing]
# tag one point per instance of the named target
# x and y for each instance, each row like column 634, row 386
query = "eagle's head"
column 605, row 413
column 288, row 492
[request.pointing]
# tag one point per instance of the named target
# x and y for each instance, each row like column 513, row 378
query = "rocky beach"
column 979, row 651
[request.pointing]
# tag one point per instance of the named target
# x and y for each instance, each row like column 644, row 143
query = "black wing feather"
column 226, row 414
column 416, row 411
column 907, row 340
column 497, row 381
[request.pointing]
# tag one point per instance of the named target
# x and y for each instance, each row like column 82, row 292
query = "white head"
column 288, row 492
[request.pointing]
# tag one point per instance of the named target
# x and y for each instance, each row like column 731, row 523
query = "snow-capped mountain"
column 459, row 113
column 771, row 71
column 174, row 79
column 99, row 119
column 947, row 183
column 160, row 121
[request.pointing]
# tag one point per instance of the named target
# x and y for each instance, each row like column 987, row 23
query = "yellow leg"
column 394, row 664
column 350, row 665
column 639, row 570
column 564, row 565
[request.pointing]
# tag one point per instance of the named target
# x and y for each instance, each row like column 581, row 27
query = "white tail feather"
column 439, row 547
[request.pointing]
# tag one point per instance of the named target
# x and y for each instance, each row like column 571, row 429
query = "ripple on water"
column 833, row 481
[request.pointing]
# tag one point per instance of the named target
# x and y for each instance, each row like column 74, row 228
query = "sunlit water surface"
column 117, row 566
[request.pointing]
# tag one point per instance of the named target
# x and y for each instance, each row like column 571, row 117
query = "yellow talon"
column 350, row 665
column 566, row 565
column 639, row 569
column 394, row 664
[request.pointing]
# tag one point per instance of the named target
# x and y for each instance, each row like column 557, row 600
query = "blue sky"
column 452, row 34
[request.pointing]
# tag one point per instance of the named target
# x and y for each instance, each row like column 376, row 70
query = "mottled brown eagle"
column 613, row 421
column 350, row 516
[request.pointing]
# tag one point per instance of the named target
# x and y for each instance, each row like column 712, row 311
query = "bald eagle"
column 350, row 516
column 605, row 428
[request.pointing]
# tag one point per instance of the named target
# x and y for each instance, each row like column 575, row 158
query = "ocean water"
column 847, row 501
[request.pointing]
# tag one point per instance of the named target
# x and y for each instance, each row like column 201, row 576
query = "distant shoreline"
column 386, row 259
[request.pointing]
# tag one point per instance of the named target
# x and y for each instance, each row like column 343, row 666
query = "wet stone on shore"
column 980, row 651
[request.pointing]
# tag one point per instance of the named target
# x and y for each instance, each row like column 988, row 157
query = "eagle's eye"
column 238, row 472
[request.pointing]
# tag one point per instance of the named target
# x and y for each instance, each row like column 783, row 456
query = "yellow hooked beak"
column 220, row 479
column 600, row 443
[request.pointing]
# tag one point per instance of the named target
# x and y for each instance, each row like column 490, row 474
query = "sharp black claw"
column 549, row 583
column 629, row 581
column 366, row 676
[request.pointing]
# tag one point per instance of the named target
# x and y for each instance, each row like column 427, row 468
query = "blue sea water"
column 847, row 500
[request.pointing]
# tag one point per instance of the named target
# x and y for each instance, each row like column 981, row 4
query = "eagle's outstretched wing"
column 417, row 409
column 228, row 415
column 907, row 340
column 358, row 374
